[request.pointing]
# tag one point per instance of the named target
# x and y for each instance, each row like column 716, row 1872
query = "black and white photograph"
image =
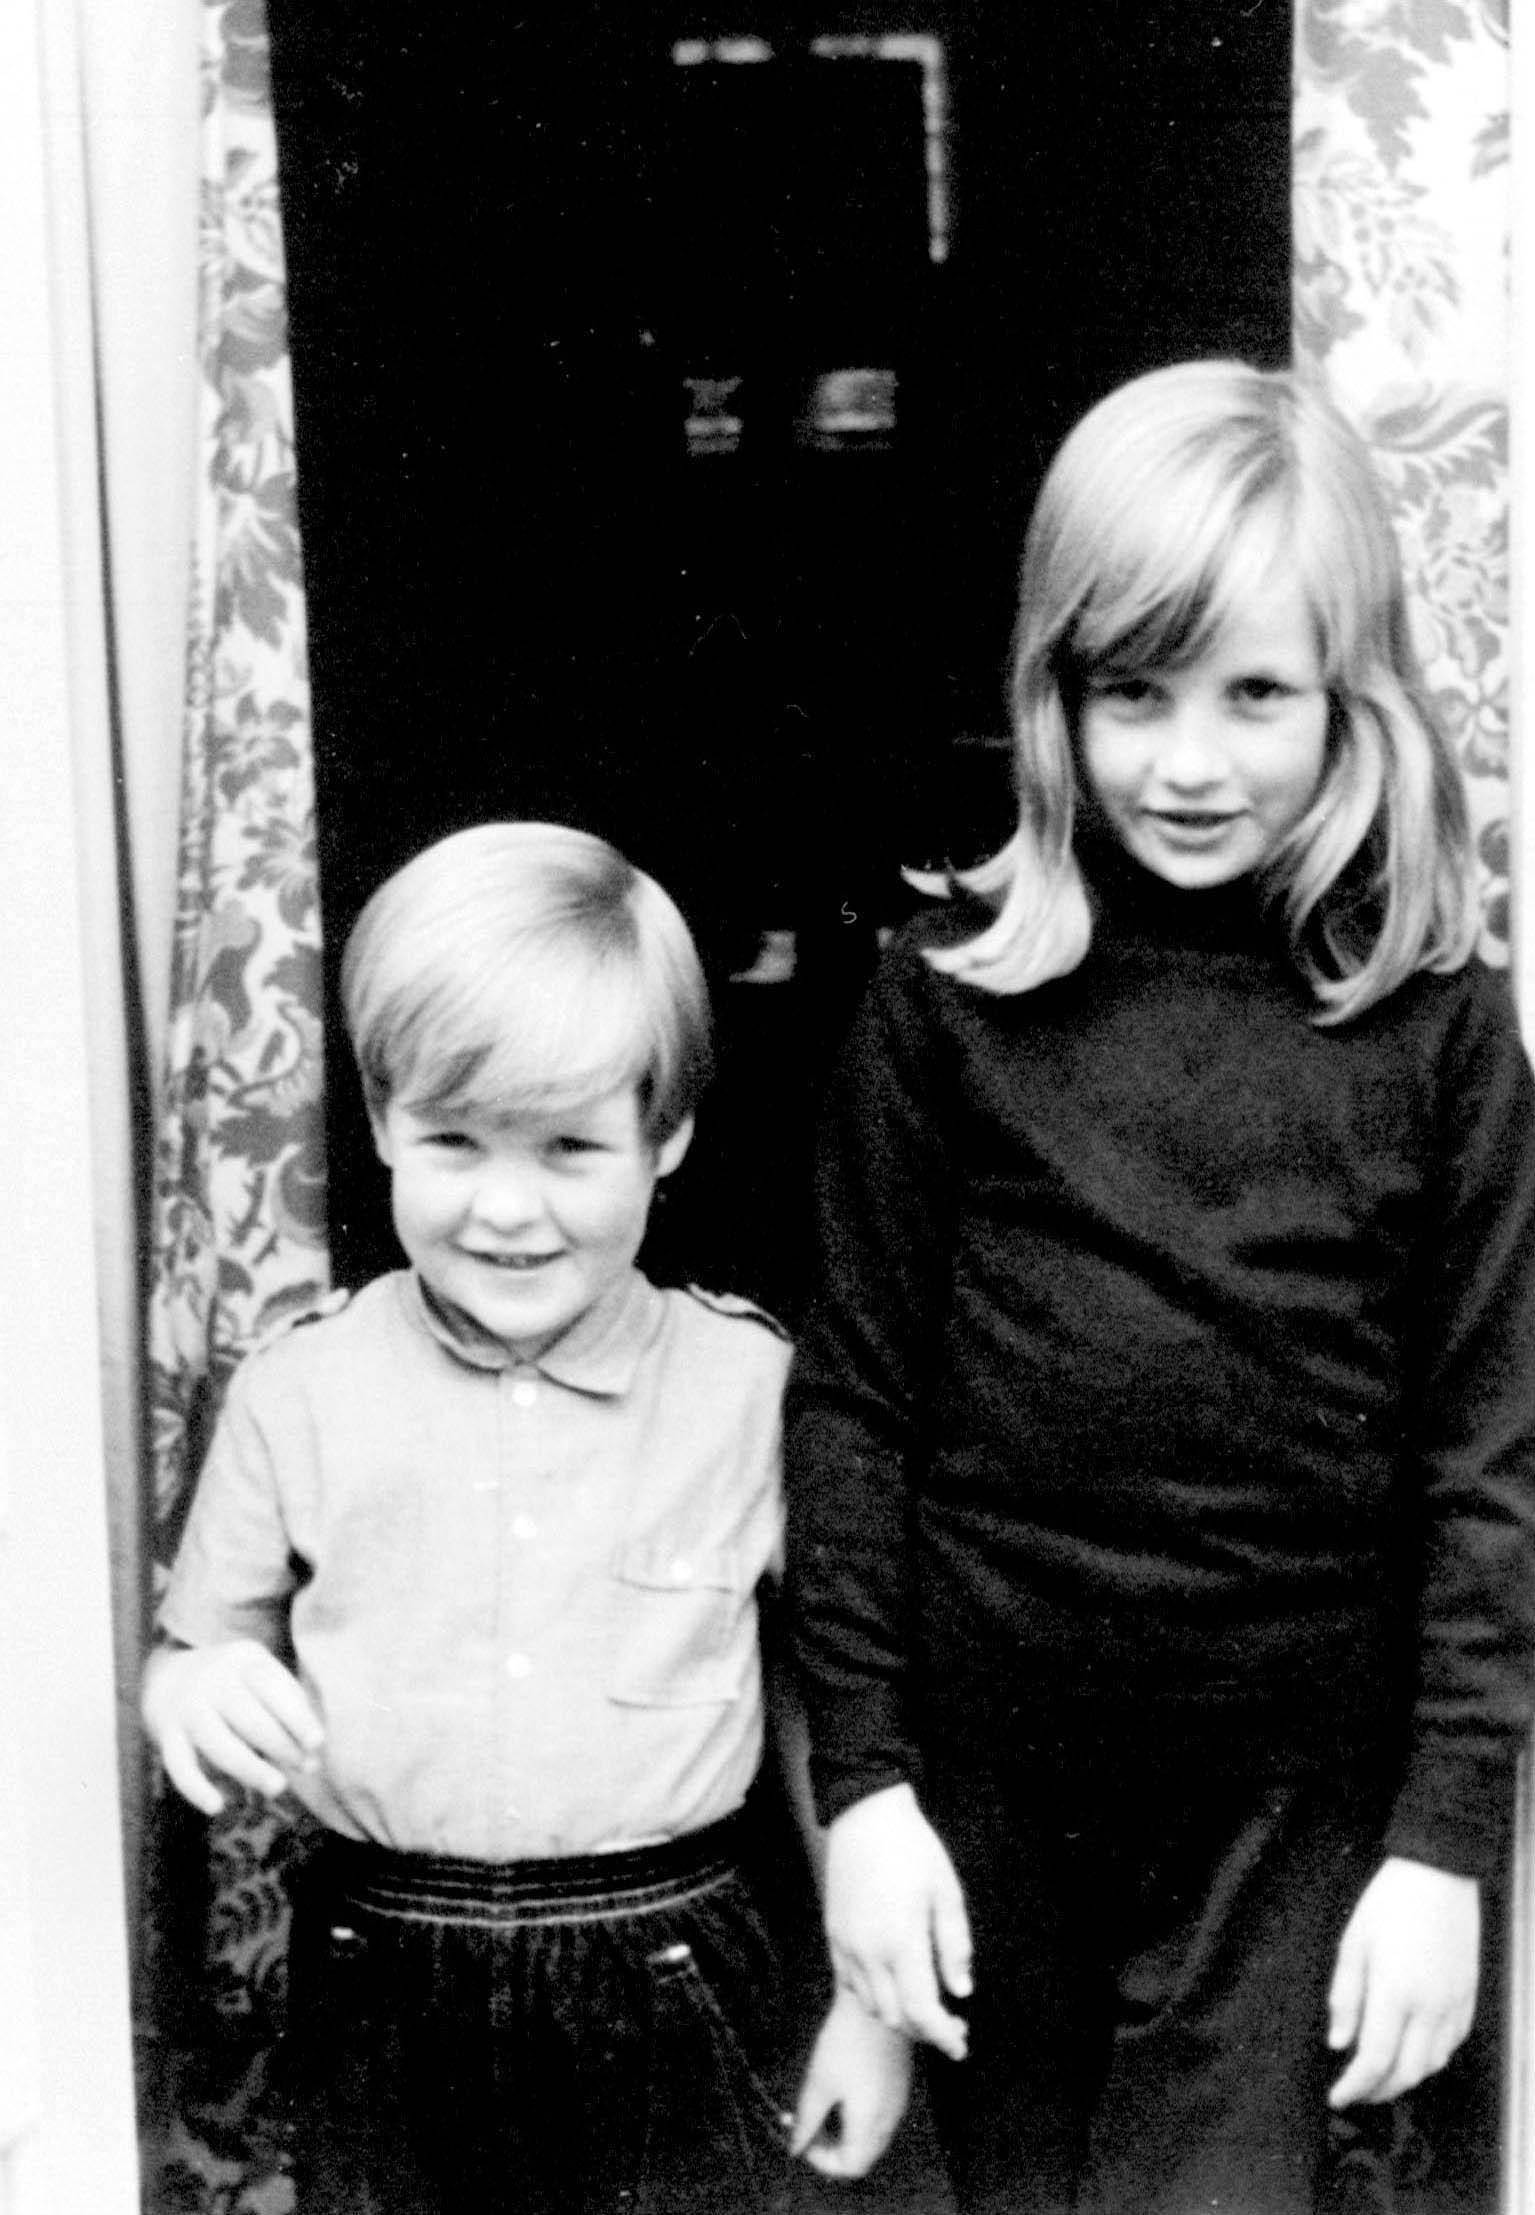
column 767, row 1406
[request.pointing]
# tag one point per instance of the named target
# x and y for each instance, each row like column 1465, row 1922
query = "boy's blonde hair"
column 525, row 968
column 1166, row 506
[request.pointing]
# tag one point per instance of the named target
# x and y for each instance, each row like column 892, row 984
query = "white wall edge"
column 76, row 2152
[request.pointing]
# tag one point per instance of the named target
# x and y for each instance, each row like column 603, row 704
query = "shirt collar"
column 600, row 1353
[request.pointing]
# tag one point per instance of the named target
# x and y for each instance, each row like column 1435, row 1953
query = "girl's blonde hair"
column 1166, row 506
column 520, row 968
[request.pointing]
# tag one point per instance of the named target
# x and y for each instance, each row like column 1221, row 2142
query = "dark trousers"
column 551, row 2038
column 1154, row 1942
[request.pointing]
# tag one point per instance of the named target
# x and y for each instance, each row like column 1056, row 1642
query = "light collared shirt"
column 522, row 1596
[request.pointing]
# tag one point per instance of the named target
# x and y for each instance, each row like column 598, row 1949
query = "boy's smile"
column 523, row 1225
column 1203, row 770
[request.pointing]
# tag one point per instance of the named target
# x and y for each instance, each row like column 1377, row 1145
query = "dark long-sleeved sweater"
column 1175, row 1362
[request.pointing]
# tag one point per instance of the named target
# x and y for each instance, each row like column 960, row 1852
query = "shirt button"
column 524, row 1392
column 518, row 1665
column 523, row 1526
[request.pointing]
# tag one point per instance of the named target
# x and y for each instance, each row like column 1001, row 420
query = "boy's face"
column 523, row 1225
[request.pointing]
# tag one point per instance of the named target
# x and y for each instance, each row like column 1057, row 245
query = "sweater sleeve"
column 857, row 1407
column 1473, row 1438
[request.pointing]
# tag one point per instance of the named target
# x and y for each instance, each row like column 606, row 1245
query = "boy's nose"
column 506, row 1195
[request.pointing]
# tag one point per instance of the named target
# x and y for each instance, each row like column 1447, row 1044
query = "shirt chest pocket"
column 679, row 1623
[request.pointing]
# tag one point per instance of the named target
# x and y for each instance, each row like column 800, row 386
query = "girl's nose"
column 1191, row 755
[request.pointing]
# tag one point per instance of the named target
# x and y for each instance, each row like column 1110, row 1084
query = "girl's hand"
column 1404, row 1991
column 895, row 1918
column 235, row 1707
column 860, row 2072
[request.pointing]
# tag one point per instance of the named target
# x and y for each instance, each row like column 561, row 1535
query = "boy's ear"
column 380, row 1130
column 670, row 1154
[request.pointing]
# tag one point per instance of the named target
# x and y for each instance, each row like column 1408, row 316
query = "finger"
column 257, row 1732
column 218, row 1743
column 950, row 2034
column 826, row 2149
column 1374, row 2058
column 922, row 2012
column 243, row 1711
column 951, row 1941
column 1414, row 2061
column 189, row 1777
column 288, row 1703
column 868, row 2125
column 828, row 2158
column 812, row 2112
column 1345, row 1996
column 840, row 2156
column 862, row 2132
column 1447, row 2042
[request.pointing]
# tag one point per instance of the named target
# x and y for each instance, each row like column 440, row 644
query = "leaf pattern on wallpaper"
column 241, row 1129
column 239, row 1178
column 1359, row 227
column 1447, row 461
column 1382, row 55
column 1401, row 225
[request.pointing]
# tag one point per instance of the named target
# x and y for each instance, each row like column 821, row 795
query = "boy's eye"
column 449, row 1142
column 570, row 1144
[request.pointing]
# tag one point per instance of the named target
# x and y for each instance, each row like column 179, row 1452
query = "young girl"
column 1162, row 1445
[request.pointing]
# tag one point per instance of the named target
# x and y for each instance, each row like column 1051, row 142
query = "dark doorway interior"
column 667, row 423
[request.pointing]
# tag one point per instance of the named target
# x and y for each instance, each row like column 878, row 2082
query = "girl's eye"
column 1262, row 691
column 1127, row 692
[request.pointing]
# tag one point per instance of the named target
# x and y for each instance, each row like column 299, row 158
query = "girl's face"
column 1202, row 771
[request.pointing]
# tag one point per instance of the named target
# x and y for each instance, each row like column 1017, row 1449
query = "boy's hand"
column 861, row 2072
column 1404, row 1991
column 235, row 1707
column 895, row 1918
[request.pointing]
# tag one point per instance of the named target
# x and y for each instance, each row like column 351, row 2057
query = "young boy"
column 472, row 1567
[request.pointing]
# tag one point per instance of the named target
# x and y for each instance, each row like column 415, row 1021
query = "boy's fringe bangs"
column 503, row 1048
column 519, row 968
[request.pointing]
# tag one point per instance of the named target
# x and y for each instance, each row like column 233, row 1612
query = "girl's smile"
column 1202, row 771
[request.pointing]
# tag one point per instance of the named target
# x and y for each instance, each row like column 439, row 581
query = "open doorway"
column 671, row 390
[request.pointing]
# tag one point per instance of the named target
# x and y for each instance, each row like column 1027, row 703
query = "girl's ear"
column 670, row 1154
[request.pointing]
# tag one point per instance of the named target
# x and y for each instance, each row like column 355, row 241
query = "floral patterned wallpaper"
column 1401, row 212
column 1401, row 209
column 239, row 1225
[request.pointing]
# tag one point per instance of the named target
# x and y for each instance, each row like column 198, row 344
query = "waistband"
column 376, row 1880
